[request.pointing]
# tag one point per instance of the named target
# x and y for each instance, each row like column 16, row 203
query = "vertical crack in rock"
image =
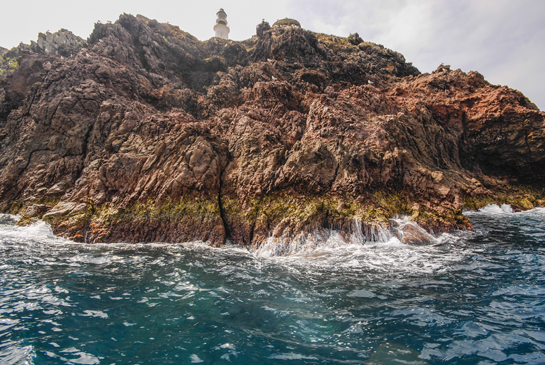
column 222, row 211
column 85, row 148
column 527, row 144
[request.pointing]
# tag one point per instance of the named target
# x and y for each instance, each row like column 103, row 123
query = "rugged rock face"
column 63, row 43
column 147, row 134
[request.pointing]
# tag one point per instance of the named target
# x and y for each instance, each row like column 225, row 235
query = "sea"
column 462, row 298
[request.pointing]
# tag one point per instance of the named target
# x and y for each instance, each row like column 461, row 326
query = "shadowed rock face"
column 147, row 134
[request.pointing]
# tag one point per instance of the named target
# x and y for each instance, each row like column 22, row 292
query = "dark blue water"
column 473, row 298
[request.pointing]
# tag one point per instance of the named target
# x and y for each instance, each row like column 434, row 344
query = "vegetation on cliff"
column 143, row 133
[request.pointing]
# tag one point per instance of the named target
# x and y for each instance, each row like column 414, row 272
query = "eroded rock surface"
column 143, row 133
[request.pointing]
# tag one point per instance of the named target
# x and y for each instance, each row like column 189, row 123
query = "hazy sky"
column 502, row 39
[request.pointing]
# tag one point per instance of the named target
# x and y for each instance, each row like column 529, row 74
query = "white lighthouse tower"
column 221, row 29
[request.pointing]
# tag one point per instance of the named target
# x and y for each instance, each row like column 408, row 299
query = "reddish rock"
column 148, row 134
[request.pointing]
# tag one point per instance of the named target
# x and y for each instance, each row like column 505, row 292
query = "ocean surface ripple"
column 469, row 298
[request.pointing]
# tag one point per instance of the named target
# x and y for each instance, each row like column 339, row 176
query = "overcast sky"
column 502, row 39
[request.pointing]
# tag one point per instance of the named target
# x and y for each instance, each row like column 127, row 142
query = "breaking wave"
column 492, row 209
column 401, row 231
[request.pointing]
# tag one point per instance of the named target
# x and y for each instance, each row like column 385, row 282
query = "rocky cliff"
column 143, row 133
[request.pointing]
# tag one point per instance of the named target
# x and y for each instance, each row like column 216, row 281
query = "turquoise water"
column 471, row 298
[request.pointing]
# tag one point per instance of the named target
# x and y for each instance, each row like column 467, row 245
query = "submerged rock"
column 143, row 133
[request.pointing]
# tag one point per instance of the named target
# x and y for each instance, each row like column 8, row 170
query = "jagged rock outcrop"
column 63, row 43
column 147, row 134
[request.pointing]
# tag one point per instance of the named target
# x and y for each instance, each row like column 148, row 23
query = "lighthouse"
column 221, row 29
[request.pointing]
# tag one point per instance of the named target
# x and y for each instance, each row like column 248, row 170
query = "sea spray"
column 400, row 230
column 491, row 209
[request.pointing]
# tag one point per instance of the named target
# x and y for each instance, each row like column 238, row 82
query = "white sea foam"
column 97, row 314
column 371, row 247
column 381, row 251
column 195, row 359
column 400, row 232
column 9, row 218
column 492, row 209
column 38, row 231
